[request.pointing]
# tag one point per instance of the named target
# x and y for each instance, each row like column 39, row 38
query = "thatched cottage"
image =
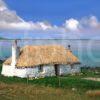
column 40, row 61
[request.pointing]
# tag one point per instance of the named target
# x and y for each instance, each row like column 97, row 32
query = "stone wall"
column 48, row 70
column 67, row 69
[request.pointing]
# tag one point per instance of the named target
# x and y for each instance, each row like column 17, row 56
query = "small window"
column 40, row 68
column 72, row 66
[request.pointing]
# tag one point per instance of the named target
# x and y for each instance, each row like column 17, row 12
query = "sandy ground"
column 93, row 79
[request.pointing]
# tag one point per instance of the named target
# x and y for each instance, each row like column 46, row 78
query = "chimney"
column 15, row 53
column 69, row 47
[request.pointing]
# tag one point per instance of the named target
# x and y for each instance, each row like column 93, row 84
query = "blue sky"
column 54, row 11
column 71, row 19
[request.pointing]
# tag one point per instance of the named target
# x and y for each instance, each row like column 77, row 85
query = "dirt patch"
column 93, row 93
column 93, row 79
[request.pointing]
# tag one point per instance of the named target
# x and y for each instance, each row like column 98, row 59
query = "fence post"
column 59, row 80
column 27, row 78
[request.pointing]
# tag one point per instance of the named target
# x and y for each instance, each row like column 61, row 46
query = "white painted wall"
column 75, row 69
column 64, row 69
column 8, row 70
column 48, row 70
column 34, row 72
column 14, row 54
column 67, row 69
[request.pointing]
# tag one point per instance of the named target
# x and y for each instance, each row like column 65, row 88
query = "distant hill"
column 2, row 38
column 1, row 61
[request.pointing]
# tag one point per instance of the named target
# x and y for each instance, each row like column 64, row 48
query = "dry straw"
column 31, row 56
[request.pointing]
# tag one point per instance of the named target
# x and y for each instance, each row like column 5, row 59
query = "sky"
column 54, row 11
column 70, row 19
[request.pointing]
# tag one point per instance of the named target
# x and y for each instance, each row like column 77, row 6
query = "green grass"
column 62, row 82
column 53, row 88
column 89, row 72
column 0, row 67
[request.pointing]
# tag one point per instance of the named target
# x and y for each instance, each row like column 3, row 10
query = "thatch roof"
column 31, row 56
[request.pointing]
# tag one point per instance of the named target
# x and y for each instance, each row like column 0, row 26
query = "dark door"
column 56, row 70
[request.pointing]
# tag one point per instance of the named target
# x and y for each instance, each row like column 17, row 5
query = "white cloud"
column 7, row 15
column 72, row 28
column 93, row 21
column 9, row 20
column 90, row 22
column 2, row 6
column 43, row 25
column 72, row 24
column 23, row 26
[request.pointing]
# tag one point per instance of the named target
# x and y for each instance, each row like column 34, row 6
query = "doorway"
column 56, row 69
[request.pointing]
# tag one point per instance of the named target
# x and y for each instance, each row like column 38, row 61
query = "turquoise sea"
column 88, row 51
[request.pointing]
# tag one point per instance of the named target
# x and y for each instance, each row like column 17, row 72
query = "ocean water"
column 88, row 51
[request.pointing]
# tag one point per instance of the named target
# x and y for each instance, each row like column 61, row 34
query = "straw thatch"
column 31, row 56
